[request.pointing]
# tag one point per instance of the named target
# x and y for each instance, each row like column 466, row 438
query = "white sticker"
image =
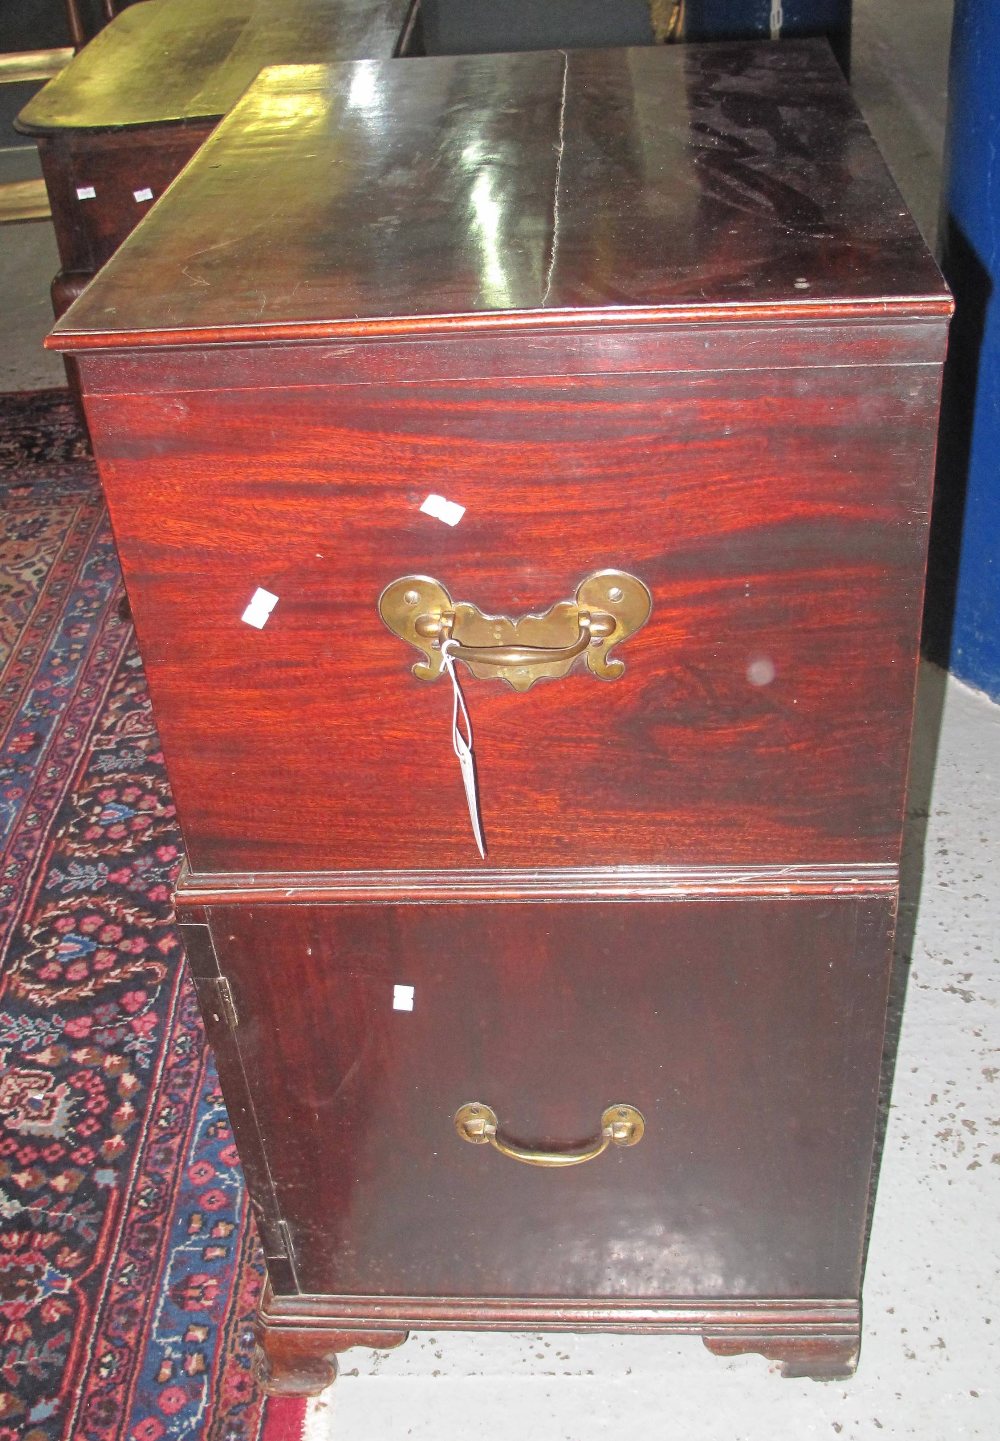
column 86, row 192
column 402, row 998
column 143, row 194
column 262, row 602
column 447, row 510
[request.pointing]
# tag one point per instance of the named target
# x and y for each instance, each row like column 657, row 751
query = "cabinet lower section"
column 431, row 1102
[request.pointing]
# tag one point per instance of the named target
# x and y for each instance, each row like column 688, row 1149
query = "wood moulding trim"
column 64, row 337
column 631, row 883
column 298, row 1337
column 721, row 1319
column 529, row 356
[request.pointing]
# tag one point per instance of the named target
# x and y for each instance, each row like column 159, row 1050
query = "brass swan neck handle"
column 441, row 628
column 609, row 606
column 621, row 1125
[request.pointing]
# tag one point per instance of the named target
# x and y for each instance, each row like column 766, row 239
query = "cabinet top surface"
column 587, row 187
column 165, row 64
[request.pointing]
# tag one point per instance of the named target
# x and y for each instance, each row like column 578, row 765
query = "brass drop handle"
column 438, row 628
column 608, row 607
column 621, row 1125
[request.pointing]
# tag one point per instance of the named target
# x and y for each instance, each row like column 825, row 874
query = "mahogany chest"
column 604, row 385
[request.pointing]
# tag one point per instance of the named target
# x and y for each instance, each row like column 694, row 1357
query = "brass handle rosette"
column 608, row 606
column 621, row 1125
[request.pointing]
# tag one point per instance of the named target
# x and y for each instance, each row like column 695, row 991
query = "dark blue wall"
column 734, row 19
column 963, row 615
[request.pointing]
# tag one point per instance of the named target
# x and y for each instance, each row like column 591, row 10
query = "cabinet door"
column 747, row 1032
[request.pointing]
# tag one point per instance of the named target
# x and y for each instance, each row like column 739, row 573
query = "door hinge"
column 225, row 994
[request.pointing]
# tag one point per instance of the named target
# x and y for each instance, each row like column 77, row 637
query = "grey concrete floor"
column 28, row 261
column 930, row 1354
column 899, row 75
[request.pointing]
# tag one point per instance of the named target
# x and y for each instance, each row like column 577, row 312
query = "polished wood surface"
column 188, row 60
column 122, row 121
column 611, row 185
column 127, row 173
column 821, row 1357
column 747, row 1033
column 631, row 311
column 776, row 515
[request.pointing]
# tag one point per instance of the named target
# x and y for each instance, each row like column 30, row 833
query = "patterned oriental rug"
column 129, row 1270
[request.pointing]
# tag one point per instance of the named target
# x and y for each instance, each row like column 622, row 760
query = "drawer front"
column 747, row 1034
column 776, row 518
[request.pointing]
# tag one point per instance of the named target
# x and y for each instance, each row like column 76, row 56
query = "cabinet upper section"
column 766, row 531
column 584, row 187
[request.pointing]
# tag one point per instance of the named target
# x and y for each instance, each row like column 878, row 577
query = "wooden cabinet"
column 659, row 323
column 126, row 115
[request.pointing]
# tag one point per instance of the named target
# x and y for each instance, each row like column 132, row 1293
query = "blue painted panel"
column 732, row 17
column 740, row 19
column 966, row 537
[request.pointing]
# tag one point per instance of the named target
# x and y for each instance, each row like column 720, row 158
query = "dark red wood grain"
column 747, row 1033
column 777, row 517
column 538, row 347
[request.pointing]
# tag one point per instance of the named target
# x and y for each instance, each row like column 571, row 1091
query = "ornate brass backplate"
column 608, row 606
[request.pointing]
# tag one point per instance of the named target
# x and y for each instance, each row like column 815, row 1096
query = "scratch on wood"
column 561, row 145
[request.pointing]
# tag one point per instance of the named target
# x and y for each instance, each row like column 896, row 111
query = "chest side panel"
column 747, row 1034
column 777, row 519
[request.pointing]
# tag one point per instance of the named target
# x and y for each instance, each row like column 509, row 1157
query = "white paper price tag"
column 447, row 510
column 462, row 745
column 402, row 998
column 262, row 602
